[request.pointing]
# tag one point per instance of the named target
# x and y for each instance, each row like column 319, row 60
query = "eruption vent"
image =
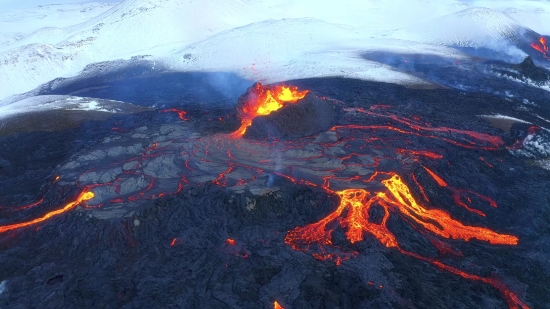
column 542, row 47
column 261, row 100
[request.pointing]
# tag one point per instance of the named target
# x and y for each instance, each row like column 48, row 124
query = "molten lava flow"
column 513, row 301
column 397, row 198
column 458, row 194
column 437, row 179
column 181, row 113
column 23, row 206
column 276, row 305
column 471, row 139
column 264, row 100
column 446, row 227
column 84, row 196
column 353, row 214
column 541, row 46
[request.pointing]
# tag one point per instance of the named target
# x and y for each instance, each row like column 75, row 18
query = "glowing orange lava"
column 276, row 305
column 23, row 206
column 353, row 215
column 541, row 47
column 264, row 100
column 437, row 179
column 471, row 139
column 84, row 196
column 458, row 194
column 181, row 113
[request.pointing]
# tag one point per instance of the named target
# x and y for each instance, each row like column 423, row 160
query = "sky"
column 21, row 4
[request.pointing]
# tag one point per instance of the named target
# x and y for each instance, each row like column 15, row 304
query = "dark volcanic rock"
column 335, row 288
column 308, row 116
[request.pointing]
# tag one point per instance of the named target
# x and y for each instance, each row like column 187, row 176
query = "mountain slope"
column 134, row 26
column 277, row 50
column 473, row 27
column 25, row 21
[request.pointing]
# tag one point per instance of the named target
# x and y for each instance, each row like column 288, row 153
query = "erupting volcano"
column 262, row 100
column 374, row 160
column 541, row 46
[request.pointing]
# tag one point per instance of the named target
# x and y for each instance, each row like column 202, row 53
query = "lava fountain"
column 262, row 100
column 541, row 47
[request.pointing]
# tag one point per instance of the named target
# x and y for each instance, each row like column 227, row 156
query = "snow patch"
column 499, row 116
column 545, row 164
column 536, row 145
column 57, row 102
column 542, row 118
column 91, row 106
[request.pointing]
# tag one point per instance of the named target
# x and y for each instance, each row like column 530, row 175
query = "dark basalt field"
column 229, row 235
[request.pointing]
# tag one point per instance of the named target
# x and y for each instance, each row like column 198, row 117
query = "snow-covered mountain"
column 22, row 22
column 267, row 40
column 132, row 27
column 63, row 102
column 472, row 27
column 531, row 14
column 276, row 50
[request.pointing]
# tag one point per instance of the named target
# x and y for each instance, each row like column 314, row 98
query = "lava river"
column 372, row 158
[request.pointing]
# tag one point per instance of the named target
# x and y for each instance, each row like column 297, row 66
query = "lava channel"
column 352, row 214
column 82, row 197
